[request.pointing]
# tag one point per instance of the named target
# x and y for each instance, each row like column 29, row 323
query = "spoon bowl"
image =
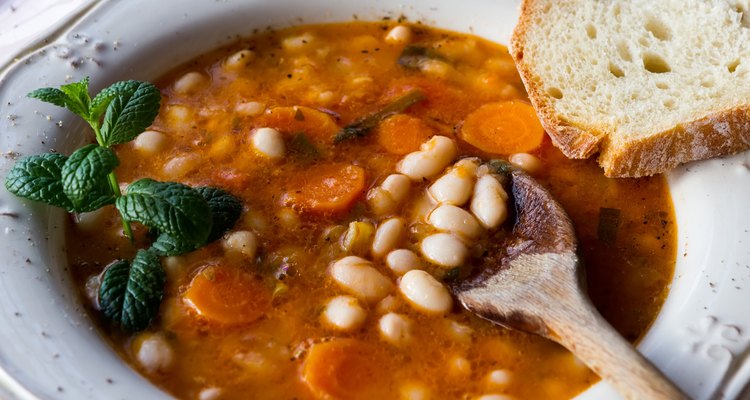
column 537, row 286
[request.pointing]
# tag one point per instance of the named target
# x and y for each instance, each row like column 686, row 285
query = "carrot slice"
column 316, row 125
column 227, row 295
column 402, row 134
column 326, row 188
column 503, row 128
column 344, row 369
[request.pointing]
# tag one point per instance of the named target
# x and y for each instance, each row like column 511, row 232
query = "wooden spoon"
column 537, row 288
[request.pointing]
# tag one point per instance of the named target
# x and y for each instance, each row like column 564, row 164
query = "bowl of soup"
column 355, row 135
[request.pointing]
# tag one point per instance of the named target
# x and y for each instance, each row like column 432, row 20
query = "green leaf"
column 225, row 210
column 112, row 289
column 301, row 146
column 50, row 95
column 128, row 113
column 73, row 96
column 38, row 178
column 172, row 208
column 130, row 295
column 414, row 56
column 166, row 245
column 84, row 177
column 144, row 291
column 363, row 126
column 78, row 97
column 102, row 99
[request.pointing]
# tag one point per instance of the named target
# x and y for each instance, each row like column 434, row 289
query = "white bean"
column 425, row 292
column 399, row 34
column 296, row 43
column 456, row 186
column 455, row 220
column 180, row 166
column 153, row 352
column 495, row 397
column 526, row 162
column 395, row 329
column 269, row 142
column 402, row 261
column 459, row 332
column 179, row 116
column 209, row 393
column 499, row 378
column 459, row 366
column 250, row 108
column 288, row 218
column 239, row 59
column 389, row 234
column 413, row 391
column 150, row 142
column 433, row 156
column 386, row 198
column 489, row 203
column 92, row 221
column 388, row 304
column 189, row 82
column 357, row 276
column 397, row 186
column 344, row 313
column 444, row 249
column 242, row 242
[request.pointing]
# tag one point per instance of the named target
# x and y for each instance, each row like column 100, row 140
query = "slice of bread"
column 649, row 84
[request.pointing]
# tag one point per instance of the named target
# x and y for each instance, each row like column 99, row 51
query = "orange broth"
column 335, row 74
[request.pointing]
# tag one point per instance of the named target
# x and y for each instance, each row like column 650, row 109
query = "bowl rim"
column 701, row 326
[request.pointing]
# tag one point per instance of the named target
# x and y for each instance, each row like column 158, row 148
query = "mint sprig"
column 183, row 218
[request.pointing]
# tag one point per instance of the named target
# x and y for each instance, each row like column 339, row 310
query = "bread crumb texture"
column 648, row 84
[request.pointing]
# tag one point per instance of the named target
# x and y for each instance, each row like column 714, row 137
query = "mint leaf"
column 38, row 178
column 128, row 113
column 144, row 291
column 172, row 208
column 225, row 210
column 84, row 177
column 50, row 95
column 130, row 295
column 73, row 96
column 78, row 97
column 102, row 99
column 112, row 289
column 166, row 245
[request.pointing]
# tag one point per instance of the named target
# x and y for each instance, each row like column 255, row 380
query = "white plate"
column 50, row 349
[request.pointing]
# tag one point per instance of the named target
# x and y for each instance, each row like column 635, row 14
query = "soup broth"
column 258, row 313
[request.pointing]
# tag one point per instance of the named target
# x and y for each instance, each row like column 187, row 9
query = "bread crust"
column 720, row 133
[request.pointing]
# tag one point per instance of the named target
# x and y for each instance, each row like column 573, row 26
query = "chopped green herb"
column 363, row 126
column 500, row 167
column 414, row 56
column 301, row 145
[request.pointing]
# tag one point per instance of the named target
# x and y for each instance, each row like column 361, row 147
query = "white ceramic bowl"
column 51, row 350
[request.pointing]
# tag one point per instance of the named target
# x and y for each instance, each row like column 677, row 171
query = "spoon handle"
column 581, row 329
